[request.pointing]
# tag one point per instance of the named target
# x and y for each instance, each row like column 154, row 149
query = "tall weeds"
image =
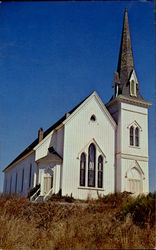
column 108, row 222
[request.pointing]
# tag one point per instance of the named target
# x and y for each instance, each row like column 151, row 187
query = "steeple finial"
column 125, row 63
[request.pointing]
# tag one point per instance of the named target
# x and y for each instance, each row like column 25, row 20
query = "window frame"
column 134, row 138
column 100, row 172
column 83, row 170
column 91, row 172
column 131, row 136
column 137, row 142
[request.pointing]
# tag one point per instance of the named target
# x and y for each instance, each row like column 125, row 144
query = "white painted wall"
column 74, row 137
column 44, row 173
column 79, row 132
column 126, row 155
column 55, row 139
column 18, row 168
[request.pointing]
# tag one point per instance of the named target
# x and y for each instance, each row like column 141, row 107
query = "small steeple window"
column 131, row 135
column 137, row 137
column 132, row 88
column 134, row 136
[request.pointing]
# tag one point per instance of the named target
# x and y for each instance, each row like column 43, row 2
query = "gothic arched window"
column 82, row 169
column 131, row 135
column 91, row 165
column 137, row 137
column 100, row 171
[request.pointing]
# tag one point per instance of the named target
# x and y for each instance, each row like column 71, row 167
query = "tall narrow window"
column 10, row 184
column 100, row 171
column 131, row 136
column 16, row 183
column 91, row 165
column 137, row 137
column 82, row 169
column 30, row 175
column 133, row 88
column 22, row 180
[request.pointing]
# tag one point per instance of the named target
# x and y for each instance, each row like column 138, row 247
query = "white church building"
column 94, row 149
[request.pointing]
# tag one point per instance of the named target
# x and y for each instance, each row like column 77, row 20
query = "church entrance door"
column 48, row 183
column 134, row 181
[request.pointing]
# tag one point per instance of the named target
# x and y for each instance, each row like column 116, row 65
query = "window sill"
column 130, row 146
column 91, row 188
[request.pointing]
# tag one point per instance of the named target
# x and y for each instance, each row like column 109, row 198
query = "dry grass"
column 55, row 225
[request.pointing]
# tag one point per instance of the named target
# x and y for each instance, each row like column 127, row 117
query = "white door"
column 48, row 183
column 135, row 186
column 134, row 181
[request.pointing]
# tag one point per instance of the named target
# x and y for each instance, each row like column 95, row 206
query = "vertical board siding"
column 18, row 168
column 79, row 131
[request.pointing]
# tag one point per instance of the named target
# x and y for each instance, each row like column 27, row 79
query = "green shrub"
column 33, row 190
column 141, row 208
column 59, row 197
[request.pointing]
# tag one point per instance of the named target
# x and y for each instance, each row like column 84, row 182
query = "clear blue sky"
column 54, row 54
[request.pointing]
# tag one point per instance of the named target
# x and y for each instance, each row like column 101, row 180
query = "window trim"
column 100, row 172
column 137, row 142
column 83, row 171
column 133, row 136
column 90, row 170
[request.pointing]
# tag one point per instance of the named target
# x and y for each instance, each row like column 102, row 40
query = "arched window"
column 137, row 137
column 91, row 165
column 82, row 169
column 93, row 118
column 131, row 136
column 100, row 171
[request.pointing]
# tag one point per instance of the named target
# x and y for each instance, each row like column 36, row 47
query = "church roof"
column 35, row 142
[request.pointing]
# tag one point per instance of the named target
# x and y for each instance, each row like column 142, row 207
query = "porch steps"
column 40, row 198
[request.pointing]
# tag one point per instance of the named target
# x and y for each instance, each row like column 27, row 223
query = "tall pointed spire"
column 125, row 63
column 125, row 81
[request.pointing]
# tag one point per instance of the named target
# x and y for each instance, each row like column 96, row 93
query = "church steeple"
column 125, row 63
column 125, row 80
